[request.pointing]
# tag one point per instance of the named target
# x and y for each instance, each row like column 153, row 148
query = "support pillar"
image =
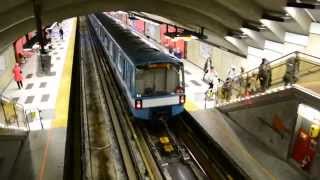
column 44, row 59
column 37, row 15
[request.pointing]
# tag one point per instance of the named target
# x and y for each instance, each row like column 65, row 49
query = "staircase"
column 307, row 73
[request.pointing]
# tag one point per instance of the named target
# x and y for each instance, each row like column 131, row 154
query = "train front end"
column 160, row 91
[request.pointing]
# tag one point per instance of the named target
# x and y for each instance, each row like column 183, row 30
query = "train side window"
column 110, row 49
column 120, row 64
column 132, row 78
column 115, row 54
column 124, row 70
column 128, row 76
column 106, row 41
column 124, row 67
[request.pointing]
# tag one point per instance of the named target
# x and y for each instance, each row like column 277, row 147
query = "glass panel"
column 294, row 68
column 128, row 75
column 110, row 48
column 157, row 79
column 121, row 64
column 12, row 115
column 115, row 53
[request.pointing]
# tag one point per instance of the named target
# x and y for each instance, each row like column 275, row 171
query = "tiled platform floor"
column 40, row 92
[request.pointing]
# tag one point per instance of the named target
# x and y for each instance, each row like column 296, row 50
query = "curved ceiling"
column 218, row 17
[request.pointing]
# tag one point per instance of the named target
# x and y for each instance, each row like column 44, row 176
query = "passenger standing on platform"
column 17, row 75
column 269, row 75
column 170, row 50
column 61, row 33
column 253, row 84
column 177, row 53
column 242, row 82
column 232, row 73
column 206, row 67
column 262, row 75
column 227, row 89
column 212, row 78
column 292, row 69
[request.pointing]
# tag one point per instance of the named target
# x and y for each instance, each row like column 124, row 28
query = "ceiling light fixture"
column 303, row 5
column 185, row 34
column 273, row 17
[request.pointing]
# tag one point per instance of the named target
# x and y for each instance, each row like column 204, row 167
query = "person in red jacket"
column 17, row 75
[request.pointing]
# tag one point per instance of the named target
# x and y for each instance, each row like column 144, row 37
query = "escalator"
column 306, row 74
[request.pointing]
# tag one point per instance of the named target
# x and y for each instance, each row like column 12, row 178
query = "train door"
column 305, row 147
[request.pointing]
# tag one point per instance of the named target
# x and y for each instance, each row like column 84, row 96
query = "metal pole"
column 27, row 119
column 40, row 118
column 37, row 15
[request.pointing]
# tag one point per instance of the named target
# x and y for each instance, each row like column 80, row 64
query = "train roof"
column 138, row 51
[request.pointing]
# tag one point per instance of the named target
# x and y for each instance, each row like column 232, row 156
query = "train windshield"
column 159, row 79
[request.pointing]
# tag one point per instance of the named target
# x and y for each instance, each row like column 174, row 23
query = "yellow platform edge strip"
column 190, row 106
column 62, row 102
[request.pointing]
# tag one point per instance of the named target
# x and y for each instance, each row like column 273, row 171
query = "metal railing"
column 294, row 68
column 15, row 116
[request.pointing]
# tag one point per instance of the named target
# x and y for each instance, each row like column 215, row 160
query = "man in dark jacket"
column 262, row 75
column 206, row 67
column 292, row 68
column 61, row 33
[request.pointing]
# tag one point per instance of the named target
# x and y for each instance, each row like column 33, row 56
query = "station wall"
column 7, row 61
column 313, row 45
column 272, row 124
column 153, row 31
column 198, row 52
column 293, row 42
column 314, row 40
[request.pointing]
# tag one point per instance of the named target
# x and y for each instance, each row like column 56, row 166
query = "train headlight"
column 182, row 99
column 138, row 104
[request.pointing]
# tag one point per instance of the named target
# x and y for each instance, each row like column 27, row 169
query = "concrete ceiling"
column 218, row 17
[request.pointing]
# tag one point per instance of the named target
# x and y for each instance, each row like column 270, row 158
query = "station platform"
column 252, row 156
column 41, row 153
column 40, row 92
column 195, row 88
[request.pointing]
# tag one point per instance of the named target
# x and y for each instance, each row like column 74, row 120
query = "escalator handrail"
column 296, row 53
column 279, row 64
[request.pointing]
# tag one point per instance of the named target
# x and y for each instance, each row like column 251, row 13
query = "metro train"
column 152, row 81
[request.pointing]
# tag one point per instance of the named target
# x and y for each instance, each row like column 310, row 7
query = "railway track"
column 108, row 120
column 215, row 162
column 98, row 148
column 120, row 148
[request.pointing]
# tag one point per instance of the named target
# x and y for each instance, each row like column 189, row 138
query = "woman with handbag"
column 17, row 75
